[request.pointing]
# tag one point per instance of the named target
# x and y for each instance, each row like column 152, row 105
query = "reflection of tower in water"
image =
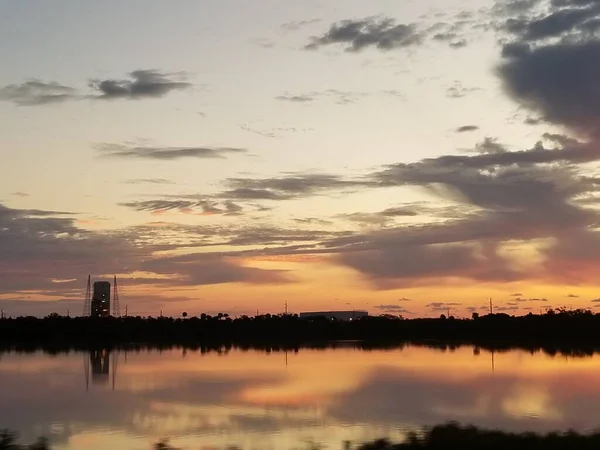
column 97, row 366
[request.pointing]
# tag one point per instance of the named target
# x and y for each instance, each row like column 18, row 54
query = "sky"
column 228, row 156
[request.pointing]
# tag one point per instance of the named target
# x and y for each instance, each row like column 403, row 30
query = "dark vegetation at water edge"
column 556, row 330
column 442, row 437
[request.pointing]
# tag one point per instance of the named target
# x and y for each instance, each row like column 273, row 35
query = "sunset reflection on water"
column 255, row 399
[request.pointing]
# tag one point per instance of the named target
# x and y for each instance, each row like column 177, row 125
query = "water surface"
column 129, row 400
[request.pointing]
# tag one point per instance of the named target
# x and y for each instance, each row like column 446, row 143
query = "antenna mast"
column 87, row 303
column 116, row 306
column 491, row 306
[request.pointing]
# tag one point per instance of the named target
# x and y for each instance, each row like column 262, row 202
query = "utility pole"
column 286, row 309
column 448, row 311
column 491, row 306
column 125, row 310
column 68, row 313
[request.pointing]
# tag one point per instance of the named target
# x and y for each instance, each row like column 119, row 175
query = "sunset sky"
column 402, row 157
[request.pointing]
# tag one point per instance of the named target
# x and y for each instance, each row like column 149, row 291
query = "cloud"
column 526, row 300
column 576, row 20
column 572, row 296
column 36, row 92
column 383, row 217
column 201, row 207
column 548, row 61
column 467, row 128
column 393, row 309
column 295, row 98
column 20, row 194
column 144, row 83
column 404, row 299
column 457, row 90
column 290, row 186
column 442, row 306
column 339, row 97
column 148, row 181
column 382, row 33
column 554, row 81
column 165, row 153
column 38, row 247
column 298, row 24
column 510, row 196
column 21, row 307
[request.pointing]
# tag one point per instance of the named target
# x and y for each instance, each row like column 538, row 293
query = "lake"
column 287, row 400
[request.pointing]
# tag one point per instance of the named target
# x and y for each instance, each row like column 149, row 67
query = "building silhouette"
column 101, row 299
column 338, row 315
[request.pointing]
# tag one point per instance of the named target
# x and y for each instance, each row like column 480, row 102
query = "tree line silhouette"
column 450, row 436
column 557, row 330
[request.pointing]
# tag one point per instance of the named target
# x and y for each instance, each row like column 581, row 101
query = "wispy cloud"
column 164, row 153
column 148, row 181
column 36, row 92
column 393, row 309
column 295, row 98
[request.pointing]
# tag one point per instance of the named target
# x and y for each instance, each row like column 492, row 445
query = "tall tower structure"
column 101, row 299
column 87, row 303
column 116, row 306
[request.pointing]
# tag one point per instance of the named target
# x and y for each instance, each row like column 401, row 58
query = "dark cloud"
column 513, row 195
column 44, row 253
column 578, row 21
column 313, row 221
column 36, row 92
column 295, row 185
column 255, row 194
column 165, row 153
column 356, row 35
column 159, row 205
column 556, row 82
column 597, row 300
column 383, row 217
column 143, row 84
column 203, row 207
column 550, row 58
column 20, row 194
column 572, row 296
column 404, row 299
column 466, row 128
column 517, row 294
